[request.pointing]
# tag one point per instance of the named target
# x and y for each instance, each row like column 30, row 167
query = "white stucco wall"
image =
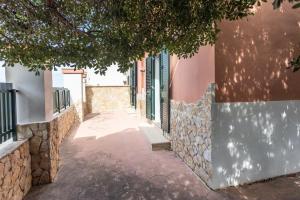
column 57, row 78
column 74, row 82
column 111, row 78
column 48, row 94
column 254, row 141
column 34, row 99
column 2, row 73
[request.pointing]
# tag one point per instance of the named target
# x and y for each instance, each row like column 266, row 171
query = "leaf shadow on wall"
column 252, row 56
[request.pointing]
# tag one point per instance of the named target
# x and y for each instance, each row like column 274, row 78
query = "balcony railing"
column 61, row 99
column 8, row 117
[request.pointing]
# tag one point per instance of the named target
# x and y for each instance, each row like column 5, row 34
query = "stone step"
column 131, row 111
column 155, row 137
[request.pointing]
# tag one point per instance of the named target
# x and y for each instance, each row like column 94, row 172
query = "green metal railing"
column 61, row 99
column 8, row 116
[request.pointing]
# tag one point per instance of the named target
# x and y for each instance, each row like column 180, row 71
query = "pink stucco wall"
column 191, row 77
column 141, row 75
column 252, row 56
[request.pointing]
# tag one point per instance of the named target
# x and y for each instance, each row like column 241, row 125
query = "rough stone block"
column 35, row 143
column 15, row 181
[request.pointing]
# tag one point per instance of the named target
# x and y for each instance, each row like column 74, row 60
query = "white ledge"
column 8, row 148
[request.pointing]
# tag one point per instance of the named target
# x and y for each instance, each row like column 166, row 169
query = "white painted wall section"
column 57, row 78
column 74, row 82
column 254, row 141
column 34, row 99
column 48, row 93
column 111, row 78
column 2, row 73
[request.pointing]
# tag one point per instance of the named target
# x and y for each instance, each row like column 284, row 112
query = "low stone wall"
column 190, row 133
column 58, row 129
column 107, row 98
column 15, row 171
column 45, row 140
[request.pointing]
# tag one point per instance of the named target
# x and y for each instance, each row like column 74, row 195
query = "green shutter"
column 150, row 88
column 164, row 92
column 133, row 84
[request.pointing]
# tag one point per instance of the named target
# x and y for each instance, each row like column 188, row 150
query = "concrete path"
column 108, row 158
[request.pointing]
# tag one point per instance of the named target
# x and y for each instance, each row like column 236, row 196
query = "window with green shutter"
column 164, row 90
column 150, row 88
column 133, row 84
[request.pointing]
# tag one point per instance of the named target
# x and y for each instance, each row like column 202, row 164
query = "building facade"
column 233, row 108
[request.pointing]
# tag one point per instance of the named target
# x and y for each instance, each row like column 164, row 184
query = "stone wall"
column 58, row 129
column 190, row 133
column 107, row 98
column 15, row 171
column 45, row 140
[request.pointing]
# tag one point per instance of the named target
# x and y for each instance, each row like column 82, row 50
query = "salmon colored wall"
column 252, row 56
column 141, row 75
column 191, row 77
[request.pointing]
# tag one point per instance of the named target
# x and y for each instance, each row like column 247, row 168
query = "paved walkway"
column 108, row 158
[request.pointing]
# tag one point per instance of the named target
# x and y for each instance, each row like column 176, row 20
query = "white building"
column 57, row 78
column 112, row 77
column 2, row 73
column 35, row 96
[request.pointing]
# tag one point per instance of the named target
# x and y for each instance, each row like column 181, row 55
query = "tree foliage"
column 45, row 34
column 295, row 63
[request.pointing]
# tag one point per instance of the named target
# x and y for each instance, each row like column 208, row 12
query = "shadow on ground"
column 108, row 158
